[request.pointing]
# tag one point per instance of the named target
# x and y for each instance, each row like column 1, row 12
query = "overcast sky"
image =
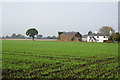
column 50, row 17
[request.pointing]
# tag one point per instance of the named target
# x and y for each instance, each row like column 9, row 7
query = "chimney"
column 110, row 32
column 96, row 32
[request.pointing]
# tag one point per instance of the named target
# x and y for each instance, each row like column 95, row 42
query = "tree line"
column 20, row 36
column 31, row 33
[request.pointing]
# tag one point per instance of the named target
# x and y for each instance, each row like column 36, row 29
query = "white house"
column 97, row 37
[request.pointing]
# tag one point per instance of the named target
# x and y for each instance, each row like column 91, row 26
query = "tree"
column 106, row 30
column 13, row 35
column 39, row 36
column 7, row 36
column 72, row 38
column 59, row 33
column 58, row 37
column 3, row 37
column 31, row 32
column 19, row 36
column 116, row 37
column 54, row 37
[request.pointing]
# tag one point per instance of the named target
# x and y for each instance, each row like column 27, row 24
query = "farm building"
column 97, row 37
column 70, row 36
column 84, row 38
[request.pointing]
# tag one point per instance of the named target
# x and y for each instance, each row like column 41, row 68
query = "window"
column 103, row 36
column 97, row 36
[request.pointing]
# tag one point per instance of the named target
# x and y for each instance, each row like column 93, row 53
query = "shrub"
column 58, row 38
column 72, row 39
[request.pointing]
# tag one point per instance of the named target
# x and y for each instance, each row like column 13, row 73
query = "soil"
column 31, row 39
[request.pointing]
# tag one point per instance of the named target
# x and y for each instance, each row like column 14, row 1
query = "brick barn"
column 70, row 36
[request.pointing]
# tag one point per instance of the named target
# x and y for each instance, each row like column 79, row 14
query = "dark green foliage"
column 106, row 30
column 51, row 37
column 59, row 33
column 58, row 38
column 32, row 32
column 16, row 36
column 13, row 35
column 72, row 38
column 39, row 36
column 116, row 37
column 20, row 36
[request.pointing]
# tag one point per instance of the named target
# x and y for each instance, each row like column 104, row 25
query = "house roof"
column 94, row 34
column 98, row 34
column 69, row 33
column 84, row 36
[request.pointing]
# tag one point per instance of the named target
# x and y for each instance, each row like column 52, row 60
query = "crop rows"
column 63, row 67
column 54, row 59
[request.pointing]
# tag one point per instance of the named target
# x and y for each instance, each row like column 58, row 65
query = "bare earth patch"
column 31, row 39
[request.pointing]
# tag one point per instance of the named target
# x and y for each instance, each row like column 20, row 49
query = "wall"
column 68, row 38
column 100, row 39
column 84, row 39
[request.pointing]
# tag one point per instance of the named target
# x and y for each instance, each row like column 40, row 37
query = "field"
column 54, row 59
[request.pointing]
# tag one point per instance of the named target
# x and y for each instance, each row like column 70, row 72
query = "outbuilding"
column 70, row 36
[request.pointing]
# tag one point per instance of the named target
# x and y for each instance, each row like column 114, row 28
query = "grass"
column 53, row 59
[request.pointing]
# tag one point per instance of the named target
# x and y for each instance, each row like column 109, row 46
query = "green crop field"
column 54, row 59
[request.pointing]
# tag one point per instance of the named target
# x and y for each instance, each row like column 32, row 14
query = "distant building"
column 68, row 36
column 98, row 37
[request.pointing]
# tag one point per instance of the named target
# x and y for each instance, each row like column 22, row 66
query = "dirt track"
column 31, row 39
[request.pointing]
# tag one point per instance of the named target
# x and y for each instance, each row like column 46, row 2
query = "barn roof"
column 69, row 33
